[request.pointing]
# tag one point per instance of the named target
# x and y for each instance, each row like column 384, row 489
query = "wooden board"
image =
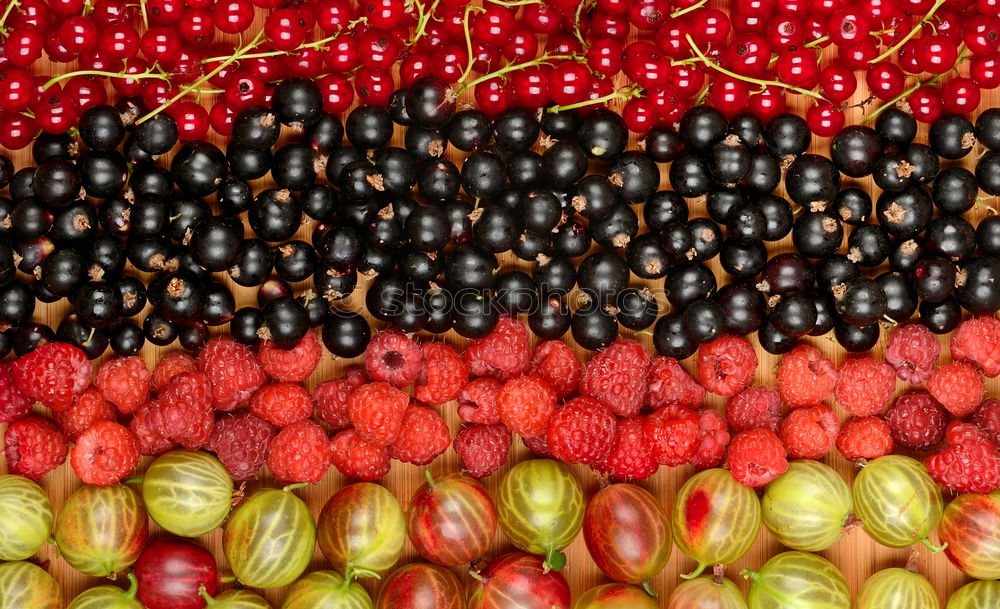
column 856, row 555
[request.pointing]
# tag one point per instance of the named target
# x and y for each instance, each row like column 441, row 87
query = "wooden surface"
column 856, row 555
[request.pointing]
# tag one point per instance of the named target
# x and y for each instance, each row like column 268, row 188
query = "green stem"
column 203, row 593
column 468, row 44
column 697, row 571
column 430, row 478
column 476, row 576
column 764, row 83
column 514, row 3
column 906, row 93
column 512, row 68
column 648, row 587
column 352, row 573
column 227, row 579
column 685, row 11
column 555, row 560
column 930, row 545
column 301, row 47
column 816, row 43
column 913, row 32
column 422, row 20
column 184, row 91
column 292, row 487
column 144, row 14
column 149, row 73
column 624, row 93
column 6, row 13
column 133, row 586
column 133, row 480
column 576, row 25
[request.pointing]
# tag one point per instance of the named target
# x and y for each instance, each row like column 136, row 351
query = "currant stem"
column 685, row 11
column 144, row 14
column 764, row 83
column 514, row 3
column 624, row 93
column 576, row 25
column 512, row 68
column 305, row 45
column 906, row 93
column 913, row 32
column 815, row 43
column 6, row 13
column 149, row 73
column 422, row 20
column 468, row 43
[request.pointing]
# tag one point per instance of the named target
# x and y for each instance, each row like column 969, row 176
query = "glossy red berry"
column 848, row 27
column 55, row 113
column 729, row 95
column 284, row 29
column 687, row 80
column 960, row 95
column 859, row 56
column 107, row 12
column 493, row 96
column 985, row 70
column 378, row 49
column 54, row 48
column 837, row 82
column 118, row 41
column 342, row 54
column 615, row 26
column 66, row 8
column 17, row 90
column 232, row 16
column 541, row 19
column 131, row 87
column 449, row 62
column 520, row 47
column 885, row 80
column 373, row 86
column 824, row 120
column 16, row 130
column 709, row 27
column 384, row 14
column 192, row 120
column 337, row 92
column 493, row 26
column 671, row 39
column 569, row 83
column 767, row 104
column 605, row 56
column 981, row 33
column 160, row 44
column 785, row 32
column 164, row 12
column 639, row 114
column 530, row 87
column 648, row 14
column 414, row 67
column 798, row 68
column 748, row 54
column 30, row 15
column 937, row 54
column 85, row 91
column 220, row 117
column 307, row 62
column 333, row 15
column 196, row 27
column 925, row 104
column 78, row 34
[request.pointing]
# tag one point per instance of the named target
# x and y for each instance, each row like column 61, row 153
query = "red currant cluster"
column 535, row 53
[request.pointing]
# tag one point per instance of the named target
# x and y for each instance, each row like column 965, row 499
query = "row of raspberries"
column 624, row 413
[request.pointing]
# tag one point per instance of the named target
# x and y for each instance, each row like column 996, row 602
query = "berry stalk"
column 913, row 32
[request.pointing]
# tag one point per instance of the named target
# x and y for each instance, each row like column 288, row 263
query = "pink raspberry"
column 330, row 399
column 917, row 420
column 13, row 403
column 757, row 457
column 912, row 350
column 616, row 377
column 672, row 433
column 443, row 375
column 631, row 457
column 477, row 402
column 809, row 433
column 582, row 431
column 805, row 376
column 424, row 435
column 864, row 386
column 977, row 341
column 987, row 419
column 714, row 439
column 754, row 407
column 726, row 365
column 125, row 382
column 482, row 448
column 671, row 385
column 503, row 353
column 358, row 459
column 556, row 363
column 958, row 387
column 234, row 371
column 393, row 357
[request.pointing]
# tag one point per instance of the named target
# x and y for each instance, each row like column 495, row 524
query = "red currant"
column 188, row 67
column 639, row 115
column 988, row 7
column 729, row 95
column 885, row 80
column 107, row 12
column 925, row 104
column 494, row 26
column 196, row 27
column 848, row 27
column 24, row 47
column 30, row 15
column 492, row 97
column 612, row 26
column 605, row 56
column 55, row 50
column 16, row 130
column 305, row 62
column 338, row 94
column 907, row 58
column 785, row 32
column 985, row 70
column 612, row 7
column 949, row 23
column 449, row 62
column 767, row 104
column 859, row 55
column 824, row 7
column 155, row 93
column 798, row 68
column 118, row 41
column 541, row 19
column 981, row 33
column 219, row 51
column 837, row 82
column 522, row 46
column 667, row 103
column 563, row 44
column 334, row 15
column 530, row 87
column 243, row 89
column 709, row 27
column 374, row 86
column 671, row 39
column 284, row 29
column 960, row 95
column 748, row 54
column 688, row 80
column 378, row 49
column 220, row 117
column 747, row 24
column 599, row 88
column 569, row 83
column 384, row 14
column 164, row 12
column 160, row 44
column 824, row 120
column 54, row 113
column 192, row 120
column 648, row 14
column 414, row 67
column 232, row 16
column 342, row 55
column 757, row 8
column 131, row 87
column 937, row 54
column 17, row 91
column 879, row 11
column 85, row 92
column 799, row 8
column 66, row 8
column 78, row 34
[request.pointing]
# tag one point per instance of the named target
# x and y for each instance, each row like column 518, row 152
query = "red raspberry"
column 805, row 376
column 864, row 386
column 13, row 403
column 282, row 404
column 616, row 377
column 503, row 353
column 291, row 365
column 912, row 350
column 556, row 363
column 958, row 387
column 151, row 441
column 864, row 438
column 34, row 446
column 631, row 458
column 89, row 408
column 525, row 405
column 358, row 459
column 482, row 448
column 917, row 420
column 969, row 464
column 233, row 370
column 377, row 410
column 170, row 366
column 300, row 452
column 754, row 407
column 538, row 445
column 757, row 457
column 424, row 436
column 104, row 454
column 53, row 374
column 714, row 438
column 443, row 375
column 330, row 399
column 582, row 431
column 125, row 382
column 672, row 433
column 809, row 433
column 671, row 385
column 726, row 365
column 977, row 341
column 393, row 357
column 987, row 419
column 477, row 402
column 184, row 411
column 240, row 441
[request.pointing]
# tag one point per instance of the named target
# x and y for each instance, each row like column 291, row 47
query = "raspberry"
column 631, row 458
column 482, row 448
column 671, row 385
column 125, row 382
column 912, row 350
column 672, row 433
column 34, row 446
column 240, row 441
column 282, row 404
column 809, row 433
column 714, row 438
column 104, row 454
column 184, row 411
column 864, row 386
column 754, row 407
column 969, row 464
column 151, row 441
column 233, row 370
column 582, row 431
column 556, row 363
column 525, row 405
column 170, row 366
column 330, row 399
column 958, row 387
column 538, row 445
column 89, row 408
column 300, row 452
column 291, row 365
column 13, row 403
column 477, row 402
column 805, row 376
column 917, row 421
column 864, row 438
column 726, row 365
column 503, row 353
column 377, row 410
column 616, row 377
column 358, row 459
column 987, row 419
column 53, row 374
column 756, row 457
column 977, row 341
column 424, row 436
column 443, row 375
column 393, row 357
